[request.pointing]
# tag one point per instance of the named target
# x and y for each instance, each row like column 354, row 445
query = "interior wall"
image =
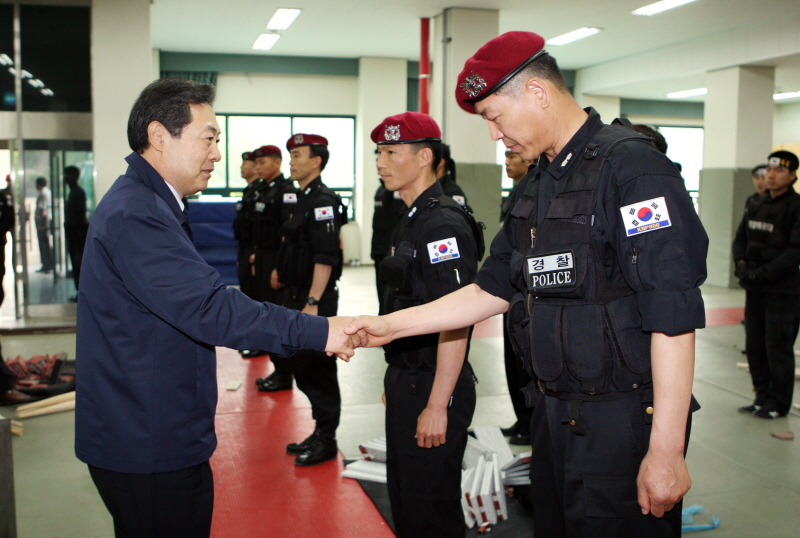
column 270, row 93
column 786, row 125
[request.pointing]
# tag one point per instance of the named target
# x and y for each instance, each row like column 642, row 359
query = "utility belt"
column 266, row 233
column 414, row 352
column 414, row 371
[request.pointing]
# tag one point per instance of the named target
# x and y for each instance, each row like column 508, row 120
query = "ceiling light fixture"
column 687, row 93
column 6, row 60
column 658, row 7
column 573, row 36
column 283, row 18
column 266, row 41
column 786, row 95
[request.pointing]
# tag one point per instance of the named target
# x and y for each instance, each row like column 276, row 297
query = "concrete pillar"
column 458, row 34
column 122, row 60
column 607, row 106
column 382, row 92
column 738, row 119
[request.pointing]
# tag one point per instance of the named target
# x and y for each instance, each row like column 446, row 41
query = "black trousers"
column 45, row 252
column 266, row 262
column 425, row 483
column 585, row 485
column 247, row 282
column 314, row 371
column 175, row 504
column 517, row 379
column 771, row 323
column 76, row 240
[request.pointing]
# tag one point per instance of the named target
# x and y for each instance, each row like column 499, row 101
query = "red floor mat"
column 724, row 316
column 258, row 490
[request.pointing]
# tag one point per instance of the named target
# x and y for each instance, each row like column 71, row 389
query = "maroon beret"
column 301, row 139
column 248, row 156
column 494, row 64
column 407, row 128
column 267, row 151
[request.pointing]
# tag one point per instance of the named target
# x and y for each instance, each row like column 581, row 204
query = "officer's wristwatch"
column 313, row 301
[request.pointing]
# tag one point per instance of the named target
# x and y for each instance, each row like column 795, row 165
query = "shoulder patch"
column 290, row 198
column 459, row 199
column 443, row 250
column 646, row 216
column 324, row 213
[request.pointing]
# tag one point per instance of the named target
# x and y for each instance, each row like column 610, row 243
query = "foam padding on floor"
column 258, row 489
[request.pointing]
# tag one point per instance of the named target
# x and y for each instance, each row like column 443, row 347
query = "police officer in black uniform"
column 309, row 264
column 388, row 206
column 429, row 385
column 766, row 251
column 598, row 264
column 6, row 224
column 274, row 204
column 446, row 174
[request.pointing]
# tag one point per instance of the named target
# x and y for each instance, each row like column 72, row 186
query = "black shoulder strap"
column 446, row 202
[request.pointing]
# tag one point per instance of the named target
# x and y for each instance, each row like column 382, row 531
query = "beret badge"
column 392, row 133
column 473, row 86
column 298, row 139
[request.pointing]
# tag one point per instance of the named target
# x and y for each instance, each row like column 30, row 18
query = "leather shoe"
column 298, row 448
column 769, row 414
column 13, row 397
column 322, row 449
column 275, row 382
column 512, row 430
column 252, row 353
column 520, row 439
column 752, row 408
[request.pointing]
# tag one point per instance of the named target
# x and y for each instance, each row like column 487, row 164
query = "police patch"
column 645, row 216
column 443, row 250
column 323, row 213
column 289, row 198
column 460, row 200
column 551, row 271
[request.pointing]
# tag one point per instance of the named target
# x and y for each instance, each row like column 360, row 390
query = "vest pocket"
column 546, row 349
column 517, row 325
column 585, row 347
column 632, row 342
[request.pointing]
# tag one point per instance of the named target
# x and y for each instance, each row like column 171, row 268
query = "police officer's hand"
column 741, row 270
column 431, row 427
column 252, row 264
column 663, row 481
column 375, row 327
column 273, row 280
column 341, row 344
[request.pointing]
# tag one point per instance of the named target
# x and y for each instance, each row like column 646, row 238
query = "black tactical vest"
column 768, row 231
column 404, row 284
column 581, row 331
column 268, row 212
column 243, row 223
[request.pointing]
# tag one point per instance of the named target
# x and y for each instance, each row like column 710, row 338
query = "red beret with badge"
column 267, row 151
column 302, row 139
column 494, row 64
column 248, row 156
column 407, row 128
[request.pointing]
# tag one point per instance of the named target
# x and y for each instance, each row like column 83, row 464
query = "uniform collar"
column 433, row 191
column 571, row 151
column 278, row 180
column 155, row 183
column 312, row 186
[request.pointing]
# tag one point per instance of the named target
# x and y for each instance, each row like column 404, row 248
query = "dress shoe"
column 767, row 413
column 511, row 430
column 752, row 408
column 298, row 448
column 275, row 382
column 13, row 397
column 322, row 449
column 252, row 353
column 520, row 439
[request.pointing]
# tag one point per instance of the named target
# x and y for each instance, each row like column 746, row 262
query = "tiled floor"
column 741, row 474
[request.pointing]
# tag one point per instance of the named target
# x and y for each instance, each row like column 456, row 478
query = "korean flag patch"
column 460, row 200
column 645, row 216
column 323, row 213
column 289, row 198
column 443, row 250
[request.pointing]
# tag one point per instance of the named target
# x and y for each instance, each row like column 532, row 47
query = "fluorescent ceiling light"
column 36, row 83
column 787, row 95
column 283, row 18
column 47, row 91
column 573, row 36
column 658, row 7
column 5, row 60
column 687, row 93
column 266, row 41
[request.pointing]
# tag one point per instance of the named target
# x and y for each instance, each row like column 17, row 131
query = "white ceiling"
column 355, row 28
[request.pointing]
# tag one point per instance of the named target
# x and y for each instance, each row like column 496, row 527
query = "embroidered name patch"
column 645, row 216
column 551, row 271
column 760, row 226
column 443, row 250
column 323, row 213
column 289, row 198
column 460, row 200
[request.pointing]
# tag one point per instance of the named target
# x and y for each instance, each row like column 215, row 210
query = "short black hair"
column 318, row 150
column 71, row 172
column 654, row 133
column 437, row 148
column 166, row 101
column 544, row 67
column 41, row 182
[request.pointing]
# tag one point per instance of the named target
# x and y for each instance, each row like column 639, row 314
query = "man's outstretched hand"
column 375, row 330
column 341, row 343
